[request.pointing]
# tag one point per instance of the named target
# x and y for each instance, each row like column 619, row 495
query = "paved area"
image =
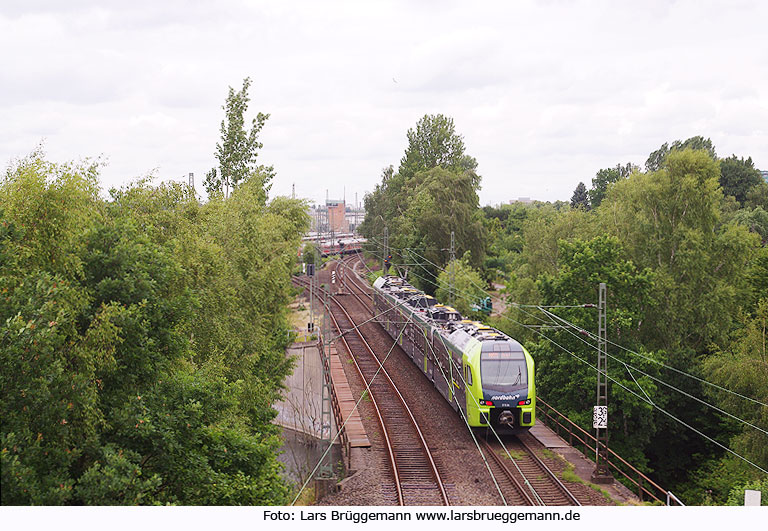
column 301, row 408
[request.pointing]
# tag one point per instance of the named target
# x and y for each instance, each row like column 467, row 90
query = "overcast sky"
column 544, row 93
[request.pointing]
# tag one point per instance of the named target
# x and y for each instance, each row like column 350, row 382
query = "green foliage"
column 743, row 368
column 309, row 253
column 686, row 275
column 433, row 193
column 736, row 496
column 605, row 177
column 435, row 143
column 469, row 287
column 738, row 177
column 568, row 382
column 755, row 220
column 757, row 196
column 580, row 198
column 141, row 340
column 238, row 148
column 669, row 221
column 657, row 159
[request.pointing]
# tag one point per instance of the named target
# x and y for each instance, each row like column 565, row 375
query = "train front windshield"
column 503, row 369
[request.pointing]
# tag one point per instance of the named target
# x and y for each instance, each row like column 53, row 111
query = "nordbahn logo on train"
column 505, row 397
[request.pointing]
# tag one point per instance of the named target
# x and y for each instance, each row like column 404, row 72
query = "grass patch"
column 514, row 455
column 307, row 496
column 549, row 454
column 373, row 276
column 601, row 491
column 365, row 396
column 568, row 474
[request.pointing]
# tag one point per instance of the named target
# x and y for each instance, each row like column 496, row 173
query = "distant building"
column 337, row 220
column 335, row 216
column 523, row 200
column 764, row 173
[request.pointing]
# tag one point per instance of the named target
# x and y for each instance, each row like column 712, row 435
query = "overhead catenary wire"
column 571, row 325
column 339, row 430
column 618, row 383
column 466, row 422
column 681, row 372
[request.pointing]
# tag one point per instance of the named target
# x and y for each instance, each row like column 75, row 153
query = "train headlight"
column 524, row 402
column 486, row 403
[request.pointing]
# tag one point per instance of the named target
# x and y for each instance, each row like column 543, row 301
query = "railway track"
column 531, row 482
column 540, row 486
column 416, row 479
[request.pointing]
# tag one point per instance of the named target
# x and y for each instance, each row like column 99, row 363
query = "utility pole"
column 192, row 181
column 452, row 270
column 385, row 259
column 600, row 415
column 326, row 470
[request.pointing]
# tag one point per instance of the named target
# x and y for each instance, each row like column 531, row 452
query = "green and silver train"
column 478, row 369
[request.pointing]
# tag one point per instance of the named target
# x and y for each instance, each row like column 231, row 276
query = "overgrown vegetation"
column 141, row 339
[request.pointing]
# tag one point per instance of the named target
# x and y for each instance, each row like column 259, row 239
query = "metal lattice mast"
column 325, row 470
column 384, row 261
column 602, row 474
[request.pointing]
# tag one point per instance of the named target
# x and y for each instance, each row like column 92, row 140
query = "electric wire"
column 571, row 325
column 613, row 380
column 516, row 305
column 466, row 422
column 339, row 430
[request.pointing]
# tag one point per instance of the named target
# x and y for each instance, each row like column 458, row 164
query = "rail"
column 644, row 487
column 394, row 456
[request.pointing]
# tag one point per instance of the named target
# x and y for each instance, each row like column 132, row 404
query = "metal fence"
column 578, row 437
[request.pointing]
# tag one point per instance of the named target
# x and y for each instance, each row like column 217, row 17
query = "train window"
column 503, row 371
column 468, row 374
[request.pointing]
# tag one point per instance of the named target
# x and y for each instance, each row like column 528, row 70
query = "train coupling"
column 506, row 417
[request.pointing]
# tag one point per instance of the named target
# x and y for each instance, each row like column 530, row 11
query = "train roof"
column 450, row 321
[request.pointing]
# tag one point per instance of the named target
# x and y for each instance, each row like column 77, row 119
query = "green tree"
column 238, row 149
column 738, row 177
column 435, row 143
column 669, row 221
column 606, row 177
column 743, row 368
column 656, row 159
column 468, row 287
column 580, row 199
column 568, row 383
column 757, row 196
column 433, row 193
column 755, row 220
column 141, row 340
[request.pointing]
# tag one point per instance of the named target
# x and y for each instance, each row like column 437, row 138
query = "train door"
column 457, row 389
column 430, row 355
column 441, row 374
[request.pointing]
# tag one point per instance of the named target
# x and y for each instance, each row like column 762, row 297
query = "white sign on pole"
column 752, row 497
column 600, row 417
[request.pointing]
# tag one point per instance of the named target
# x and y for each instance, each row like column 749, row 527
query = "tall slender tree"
column 238, row 149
